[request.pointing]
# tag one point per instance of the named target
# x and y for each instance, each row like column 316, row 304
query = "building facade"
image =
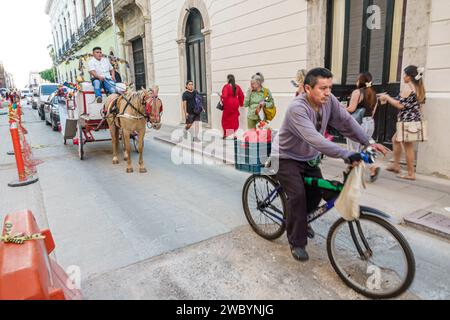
column 170, row 41
column 77, row 27
column 3, row 76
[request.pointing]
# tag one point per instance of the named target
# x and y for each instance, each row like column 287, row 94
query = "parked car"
column 34, row 102
column 45, row 91
column 51, row 111
column 25, row 93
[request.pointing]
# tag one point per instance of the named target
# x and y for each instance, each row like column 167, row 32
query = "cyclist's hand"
column 380, row 148
column 355, row 159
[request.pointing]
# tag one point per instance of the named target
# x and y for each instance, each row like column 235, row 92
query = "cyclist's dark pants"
column 301, row 200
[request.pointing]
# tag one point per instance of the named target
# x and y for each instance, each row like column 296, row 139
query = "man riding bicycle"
column 300, row 144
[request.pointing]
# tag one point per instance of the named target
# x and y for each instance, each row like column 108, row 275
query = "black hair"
column 314, row 74
column 96, row 48
column 232, row 81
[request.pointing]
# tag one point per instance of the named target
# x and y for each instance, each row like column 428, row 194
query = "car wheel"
column 41, row 114
column 54, row 125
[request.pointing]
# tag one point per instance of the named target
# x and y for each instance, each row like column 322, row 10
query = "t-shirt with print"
column 102, row 67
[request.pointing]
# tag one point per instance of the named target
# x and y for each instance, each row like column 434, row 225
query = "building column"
column 183, row 70
column 434, row 155
column 148, row 50
column 207, row 35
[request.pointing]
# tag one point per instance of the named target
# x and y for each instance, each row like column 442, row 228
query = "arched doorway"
column 196, row 56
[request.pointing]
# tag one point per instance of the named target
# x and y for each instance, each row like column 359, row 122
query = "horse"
column 130, row 114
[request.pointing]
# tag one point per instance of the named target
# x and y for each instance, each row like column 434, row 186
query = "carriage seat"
column 88, row 87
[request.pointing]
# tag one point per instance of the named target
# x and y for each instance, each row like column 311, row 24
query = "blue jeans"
column 108, row 85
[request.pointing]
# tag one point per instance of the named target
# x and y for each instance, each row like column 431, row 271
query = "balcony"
column 90, row 28
column 88, row 24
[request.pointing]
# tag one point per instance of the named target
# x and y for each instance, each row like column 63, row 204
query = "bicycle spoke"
column 380, row 268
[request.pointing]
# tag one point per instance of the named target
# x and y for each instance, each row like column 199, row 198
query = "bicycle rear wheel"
column 371, row 256
column 264, row 207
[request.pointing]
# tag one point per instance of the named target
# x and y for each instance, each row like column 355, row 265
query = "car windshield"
column 48, row 90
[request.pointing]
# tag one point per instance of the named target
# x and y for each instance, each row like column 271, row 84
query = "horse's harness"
column 129, row 104
column 113, row 110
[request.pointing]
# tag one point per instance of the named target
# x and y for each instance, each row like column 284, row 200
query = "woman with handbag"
column 258, row 98
column 409, row 103
column 363, row 106
column 232, row 98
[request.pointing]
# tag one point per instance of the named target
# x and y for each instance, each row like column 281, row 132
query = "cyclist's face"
column 321, row 91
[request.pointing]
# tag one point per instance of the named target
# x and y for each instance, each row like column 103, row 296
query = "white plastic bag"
column 348, row 202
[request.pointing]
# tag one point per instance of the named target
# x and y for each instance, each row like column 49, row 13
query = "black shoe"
column 300, row 254
column 375, row 177
column 311, row 232
column 99, row 100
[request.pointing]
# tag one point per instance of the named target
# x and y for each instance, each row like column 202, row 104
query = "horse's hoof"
column 143, row 170
column 130, row 170
column 115, row 162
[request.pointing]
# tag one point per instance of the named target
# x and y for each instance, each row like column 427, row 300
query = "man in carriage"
column 102, row 74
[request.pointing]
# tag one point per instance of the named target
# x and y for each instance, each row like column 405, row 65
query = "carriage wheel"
column 80, row 143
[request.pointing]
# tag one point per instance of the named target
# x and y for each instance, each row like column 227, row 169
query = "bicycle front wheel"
column 371, row 256
column 264, row 206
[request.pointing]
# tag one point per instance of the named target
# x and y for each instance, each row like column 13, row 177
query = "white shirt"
column 102, row 67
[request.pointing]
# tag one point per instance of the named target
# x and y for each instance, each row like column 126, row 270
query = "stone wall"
column 242, row 38
column 434, row 155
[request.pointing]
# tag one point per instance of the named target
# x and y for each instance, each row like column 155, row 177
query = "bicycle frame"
column 318, row 213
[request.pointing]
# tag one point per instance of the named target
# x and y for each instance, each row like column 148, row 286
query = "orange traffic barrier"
column 26, row 270
column 24, row 178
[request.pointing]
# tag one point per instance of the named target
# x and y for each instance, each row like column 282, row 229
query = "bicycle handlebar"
column 369, row 155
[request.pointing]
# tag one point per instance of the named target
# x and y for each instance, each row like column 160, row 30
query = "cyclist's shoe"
column 311, row 232
column 300, row 254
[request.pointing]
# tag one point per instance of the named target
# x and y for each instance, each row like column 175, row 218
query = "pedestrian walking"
column 364, row 101
column 232, row 99
column 409, row 102
column 257, row 98
column 190, row 97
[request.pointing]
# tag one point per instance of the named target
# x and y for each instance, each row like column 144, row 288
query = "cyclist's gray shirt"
column 299, row 139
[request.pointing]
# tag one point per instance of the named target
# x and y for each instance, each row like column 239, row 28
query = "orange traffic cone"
column 24, row 179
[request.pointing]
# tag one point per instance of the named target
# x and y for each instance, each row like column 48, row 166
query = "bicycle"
column 357, row 250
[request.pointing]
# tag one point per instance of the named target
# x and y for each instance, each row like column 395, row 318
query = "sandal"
column 393, row 169
column 404, row 177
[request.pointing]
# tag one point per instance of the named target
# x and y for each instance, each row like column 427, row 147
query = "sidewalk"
column 18, row 199
column 423, row 204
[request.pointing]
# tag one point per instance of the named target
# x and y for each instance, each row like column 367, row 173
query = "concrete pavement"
column 179, row 231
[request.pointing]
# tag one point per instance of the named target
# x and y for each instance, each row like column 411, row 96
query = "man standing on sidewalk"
column 102, row 74
column 192, row 118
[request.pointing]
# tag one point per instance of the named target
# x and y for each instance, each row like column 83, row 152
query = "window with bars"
column 139, row 64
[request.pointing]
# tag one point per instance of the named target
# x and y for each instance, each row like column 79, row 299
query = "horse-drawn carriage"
column 82, row 117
